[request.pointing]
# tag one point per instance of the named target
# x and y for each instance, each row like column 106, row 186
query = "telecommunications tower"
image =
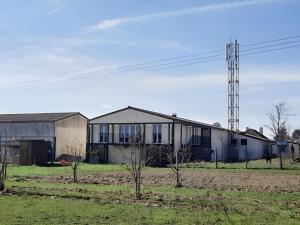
column 232, row 58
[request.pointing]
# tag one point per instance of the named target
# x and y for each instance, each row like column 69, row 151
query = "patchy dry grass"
column 103, row 195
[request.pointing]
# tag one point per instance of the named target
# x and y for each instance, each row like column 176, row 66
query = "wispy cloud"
column 54, row 11
column 106, row 24
column 105, row 106
column 252, row 80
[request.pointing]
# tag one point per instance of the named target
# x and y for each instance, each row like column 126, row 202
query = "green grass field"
column 43, row 195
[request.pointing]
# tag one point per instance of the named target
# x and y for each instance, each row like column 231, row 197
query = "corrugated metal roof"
column 35, row 117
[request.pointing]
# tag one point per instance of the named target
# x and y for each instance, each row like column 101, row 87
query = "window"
column 95, row 133
column 206, row 140
column 188, row 134
column 103, row 133
column 156, row 133
column 127, row 131
column 197, row 136
column 121, row 133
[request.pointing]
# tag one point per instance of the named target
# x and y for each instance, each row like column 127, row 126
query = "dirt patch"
column 214, row 179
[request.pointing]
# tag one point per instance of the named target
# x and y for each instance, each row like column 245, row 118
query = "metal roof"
column 35, row 117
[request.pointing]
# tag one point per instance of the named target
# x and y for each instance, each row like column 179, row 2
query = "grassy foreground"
column 34, row 197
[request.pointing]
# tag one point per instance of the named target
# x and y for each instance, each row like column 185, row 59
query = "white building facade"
column 108, row 136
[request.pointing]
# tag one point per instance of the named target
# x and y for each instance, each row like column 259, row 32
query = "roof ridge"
column 36, row 117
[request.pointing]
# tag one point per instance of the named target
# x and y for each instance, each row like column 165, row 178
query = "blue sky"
column 51, row 42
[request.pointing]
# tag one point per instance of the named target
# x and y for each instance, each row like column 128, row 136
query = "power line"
column 175, row 62
column 269, row 46
column 185, row 61
column 174, row 58
column 115, row 71
column 29, row 84
column 207, row 52
column 270, row 41
column 271, row 50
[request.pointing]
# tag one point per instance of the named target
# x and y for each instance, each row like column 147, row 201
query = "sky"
column 58, row 55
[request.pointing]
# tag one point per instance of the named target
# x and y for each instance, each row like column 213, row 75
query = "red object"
column 63, row 162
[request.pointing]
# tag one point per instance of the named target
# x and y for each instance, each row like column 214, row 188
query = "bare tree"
column 140, row 155
column 177, row 158
column 75, row 157
column 3, row 164
column 278, row 123
column 278, row 120
column 296, row 135
column 7, row 151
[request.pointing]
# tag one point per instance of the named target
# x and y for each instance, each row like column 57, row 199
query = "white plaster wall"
column 219, row 142
column 287, row 152
column 255, row 148
column 187, row 132
column 116, row 133
column 148, row 134
column 165, row 134
column 177, row 136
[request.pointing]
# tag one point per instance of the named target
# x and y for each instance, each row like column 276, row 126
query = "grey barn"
column 42, row 137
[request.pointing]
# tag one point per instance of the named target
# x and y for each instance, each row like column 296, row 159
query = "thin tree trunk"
column 75, row 174
column 2, row 186
column 5, row 170
column 136, row 188
column 139, row 185
column 280, row 157
column 246, row 157
column 216, row 158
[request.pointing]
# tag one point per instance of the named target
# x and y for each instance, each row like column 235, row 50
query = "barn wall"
column 71, row 133
column 37, row 130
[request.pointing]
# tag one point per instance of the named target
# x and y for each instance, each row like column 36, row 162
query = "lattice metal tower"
column 232, row 57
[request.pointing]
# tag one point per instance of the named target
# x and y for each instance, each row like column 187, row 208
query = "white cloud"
column 251, row 80
column 177, row 83
column 265, row 76
column 54, row 11
column 105, row 106
column 109, row 23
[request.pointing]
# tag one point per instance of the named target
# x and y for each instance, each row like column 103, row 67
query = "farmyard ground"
column 103, row 195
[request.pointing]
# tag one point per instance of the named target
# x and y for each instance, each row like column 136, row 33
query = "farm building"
column 291, row 149
column 41, row 137
column 108, row 136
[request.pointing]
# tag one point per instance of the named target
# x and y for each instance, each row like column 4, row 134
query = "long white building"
column 108, row 136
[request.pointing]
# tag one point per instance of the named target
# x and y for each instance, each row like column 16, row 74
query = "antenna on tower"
column 232, row 58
